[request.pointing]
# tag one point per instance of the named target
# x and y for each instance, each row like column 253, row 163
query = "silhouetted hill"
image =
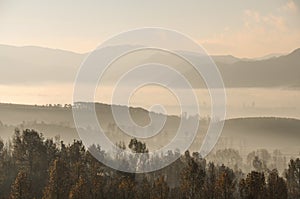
column 226, row 59
column 248, row 133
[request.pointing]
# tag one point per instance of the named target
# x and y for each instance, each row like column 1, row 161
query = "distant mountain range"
column 282, row 71
column 34, row 65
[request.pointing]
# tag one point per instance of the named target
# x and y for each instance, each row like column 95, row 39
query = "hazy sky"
column 242, row 28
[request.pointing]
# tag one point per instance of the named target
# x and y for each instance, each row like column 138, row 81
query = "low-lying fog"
column 241, row 102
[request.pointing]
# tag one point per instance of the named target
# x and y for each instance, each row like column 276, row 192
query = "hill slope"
column 249, row 133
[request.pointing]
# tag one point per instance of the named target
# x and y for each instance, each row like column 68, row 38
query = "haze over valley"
column 34, row 75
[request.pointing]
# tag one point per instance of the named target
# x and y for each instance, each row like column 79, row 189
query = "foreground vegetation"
column 34, row 167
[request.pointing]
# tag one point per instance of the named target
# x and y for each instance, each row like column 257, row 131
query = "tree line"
column 34, row 167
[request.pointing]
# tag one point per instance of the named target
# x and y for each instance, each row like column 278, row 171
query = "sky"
column 241, row 28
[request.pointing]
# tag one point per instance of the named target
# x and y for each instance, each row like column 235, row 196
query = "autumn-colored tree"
column 76, row 157
column 210, row 181
column 97, row 175
column 8, row 171
column 254, row 186
column 160, row 189
column 80, row 190
column 51, row 150
column 30, row 154
column 126, row 187
column 192, row 178
column 21, row 187
column 59, row 183
column 18, row 151
column 225, row 185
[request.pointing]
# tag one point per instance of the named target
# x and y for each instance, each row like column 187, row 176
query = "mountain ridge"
column 267, row 56
column 45, row 65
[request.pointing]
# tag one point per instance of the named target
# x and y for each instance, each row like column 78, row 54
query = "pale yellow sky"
column 241, row 28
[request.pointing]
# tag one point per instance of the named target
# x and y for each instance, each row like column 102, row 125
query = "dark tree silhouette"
column 34, row 167
column 293, row 178
column 276, row 188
